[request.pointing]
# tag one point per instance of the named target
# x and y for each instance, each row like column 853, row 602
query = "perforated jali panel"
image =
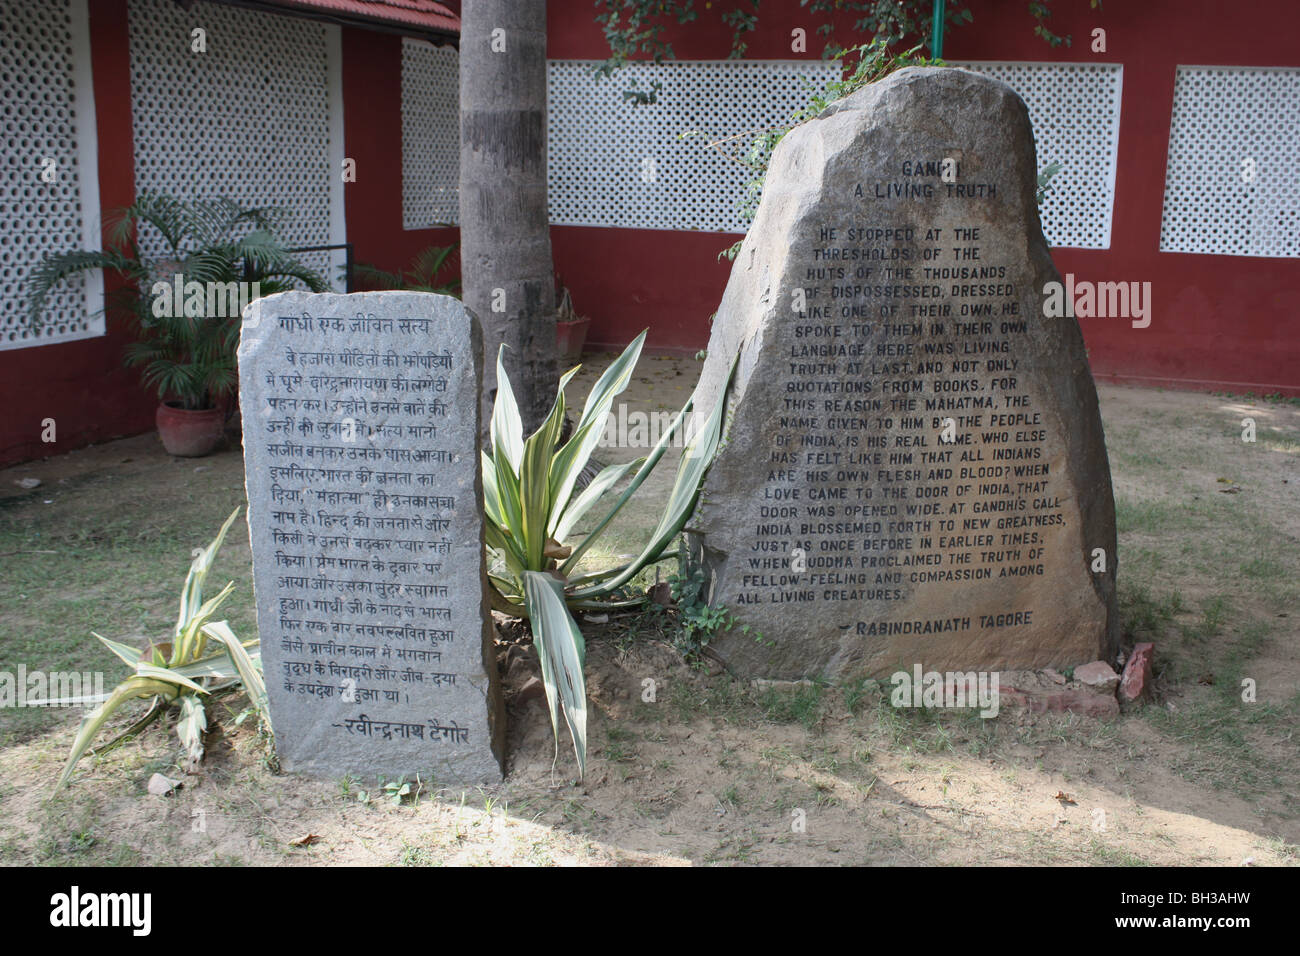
column 41, row 115
column 612, row 164
column 1230, row 183
column 1075, row 110
column 430, row 135
column 248, row 119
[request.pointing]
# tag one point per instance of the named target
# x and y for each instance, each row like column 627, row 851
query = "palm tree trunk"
column 507, row 272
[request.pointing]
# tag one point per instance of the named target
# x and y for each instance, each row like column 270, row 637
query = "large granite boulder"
column 914, row 469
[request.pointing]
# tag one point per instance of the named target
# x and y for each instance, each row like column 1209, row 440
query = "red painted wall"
column 667, row 281
column 1219, row 322
column 82, row 385
column 372, row 134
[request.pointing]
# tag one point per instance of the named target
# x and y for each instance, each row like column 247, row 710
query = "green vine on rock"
column 861, row 66
column 697, row 621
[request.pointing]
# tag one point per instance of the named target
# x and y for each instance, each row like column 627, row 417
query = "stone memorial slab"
column 360, row 417
column 914, row 468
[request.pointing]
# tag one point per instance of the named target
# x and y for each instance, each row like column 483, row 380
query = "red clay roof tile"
column 426, row 14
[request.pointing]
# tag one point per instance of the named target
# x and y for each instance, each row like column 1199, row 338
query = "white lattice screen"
column 609, row 163
column 430, row 134
column 47, row 112
column 612, row 164
column 1074, row 109
column 249, row 119
column 1230, row 184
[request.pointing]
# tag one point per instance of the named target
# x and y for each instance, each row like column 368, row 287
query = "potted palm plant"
column 422, row 276
column 570, row 329
column 183, row 304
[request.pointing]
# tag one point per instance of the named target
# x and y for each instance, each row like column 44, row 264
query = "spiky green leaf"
column 608, row 476
column 561, row 650
column 129, row 689
column 250, row 670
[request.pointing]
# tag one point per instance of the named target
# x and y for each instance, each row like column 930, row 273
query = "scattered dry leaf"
column 556, row 550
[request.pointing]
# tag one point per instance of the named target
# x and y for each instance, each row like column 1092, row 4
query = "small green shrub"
column 182, row 672
column 532, row 503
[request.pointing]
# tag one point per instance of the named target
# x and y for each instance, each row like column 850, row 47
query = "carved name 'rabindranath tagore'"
column 360, row 418
column 914, row 468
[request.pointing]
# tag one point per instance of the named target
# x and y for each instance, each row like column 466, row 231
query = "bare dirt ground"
column 706, row 769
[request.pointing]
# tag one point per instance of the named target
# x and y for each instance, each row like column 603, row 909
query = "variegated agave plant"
column 533, row 503
column 203, row 657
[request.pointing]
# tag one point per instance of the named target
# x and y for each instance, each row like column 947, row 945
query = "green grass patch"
column 110, row 558
column 796, row 705
column 1144, row 615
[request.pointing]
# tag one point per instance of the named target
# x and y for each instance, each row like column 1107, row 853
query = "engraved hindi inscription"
column 360, row 417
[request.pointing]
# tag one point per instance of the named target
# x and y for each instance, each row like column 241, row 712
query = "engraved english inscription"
column 914, row 469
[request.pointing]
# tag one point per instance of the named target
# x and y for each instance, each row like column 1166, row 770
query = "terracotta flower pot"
column 190, row 434
column 570, row 337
